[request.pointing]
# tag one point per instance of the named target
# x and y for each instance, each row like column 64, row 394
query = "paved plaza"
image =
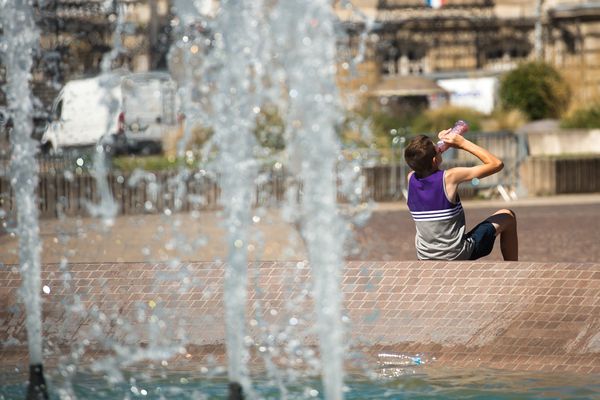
column 554, row 229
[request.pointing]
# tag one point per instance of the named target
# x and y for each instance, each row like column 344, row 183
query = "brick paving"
column 516, row 316
column 559, row 232
column 557, row 229
column 541, row 313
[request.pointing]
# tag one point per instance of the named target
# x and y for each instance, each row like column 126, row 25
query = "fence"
column 561, row 175
column 66, row 188
column 509, row 147
column 65, row 194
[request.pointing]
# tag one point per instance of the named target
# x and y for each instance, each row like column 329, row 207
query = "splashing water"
column 234, row 101
column 107, row 208
column 280, row 53
column 19, row 39
column 295, row 42
column 307, row 43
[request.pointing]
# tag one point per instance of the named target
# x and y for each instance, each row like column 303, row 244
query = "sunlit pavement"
column 553, row 229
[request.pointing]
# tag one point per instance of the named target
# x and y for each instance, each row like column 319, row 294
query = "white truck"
column 130, row 111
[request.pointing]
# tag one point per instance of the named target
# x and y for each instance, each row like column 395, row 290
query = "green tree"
column 537, row 89
column 270, row 128
column 583, row 118
column 434, row 120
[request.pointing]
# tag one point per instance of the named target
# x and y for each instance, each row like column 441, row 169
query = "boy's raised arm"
column 491, row 163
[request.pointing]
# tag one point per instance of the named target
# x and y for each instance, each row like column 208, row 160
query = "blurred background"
column 524, row 74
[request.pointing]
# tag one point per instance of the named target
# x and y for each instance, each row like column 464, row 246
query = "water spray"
column 20, row 38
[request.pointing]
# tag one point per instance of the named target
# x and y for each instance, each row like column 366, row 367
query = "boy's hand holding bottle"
column 452, row 137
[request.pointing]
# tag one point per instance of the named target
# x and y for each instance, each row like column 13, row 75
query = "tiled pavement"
column 554, row 229
column 516, row 316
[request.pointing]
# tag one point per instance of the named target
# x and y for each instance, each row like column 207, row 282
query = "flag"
column 435, row 3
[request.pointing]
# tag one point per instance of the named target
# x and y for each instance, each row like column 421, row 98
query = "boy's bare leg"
column 505, row 222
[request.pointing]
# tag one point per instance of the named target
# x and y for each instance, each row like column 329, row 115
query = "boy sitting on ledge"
column 435, row 205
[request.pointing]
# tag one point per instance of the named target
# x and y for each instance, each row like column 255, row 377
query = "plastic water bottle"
column 459, row 128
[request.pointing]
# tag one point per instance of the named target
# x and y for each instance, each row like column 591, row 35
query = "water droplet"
column 238, row 244
column 46, row 289
column 256, row 219
column 293, row 321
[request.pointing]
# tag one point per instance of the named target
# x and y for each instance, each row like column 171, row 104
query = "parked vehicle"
column 40, row 119
column 126, row 112
column 149, row 110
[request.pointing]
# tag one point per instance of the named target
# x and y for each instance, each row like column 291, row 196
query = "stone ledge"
column 517, row 316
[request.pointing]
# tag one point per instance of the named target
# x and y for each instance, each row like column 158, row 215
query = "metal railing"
column 511, row 148
column 66, row 183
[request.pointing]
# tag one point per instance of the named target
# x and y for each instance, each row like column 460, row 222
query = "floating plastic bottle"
column 459, row 128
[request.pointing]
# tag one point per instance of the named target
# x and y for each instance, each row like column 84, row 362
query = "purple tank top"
column 440, row 223
column 428, row 194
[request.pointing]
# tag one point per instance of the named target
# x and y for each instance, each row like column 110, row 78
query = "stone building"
column 473, row 38
column 462, row 39
column 75, row 35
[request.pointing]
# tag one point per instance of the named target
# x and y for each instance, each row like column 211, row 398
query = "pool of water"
column 421, row 383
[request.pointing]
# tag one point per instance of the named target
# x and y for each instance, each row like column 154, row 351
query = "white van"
column 134, row 110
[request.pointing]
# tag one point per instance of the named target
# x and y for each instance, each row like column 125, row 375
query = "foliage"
column 270, row 128
column 434, row 120
column 583, row 117
column 199, row 135
column 535, row 88
column 371, row 125
column 504, row 120
column 149, row 163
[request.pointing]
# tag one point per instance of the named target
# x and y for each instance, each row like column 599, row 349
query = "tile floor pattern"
column 516, row 316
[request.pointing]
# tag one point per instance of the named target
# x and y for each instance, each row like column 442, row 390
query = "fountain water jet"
column 20, row 38
column 235, row 98
column 303, row 53
column 311, row 110
column 307, row 42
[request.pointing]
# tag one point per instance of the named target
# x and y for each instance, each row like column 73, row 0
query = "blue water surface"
column 409, row 384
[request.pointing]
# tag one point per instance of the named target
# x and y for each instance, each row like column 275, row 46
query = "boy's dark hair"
column 419, row 154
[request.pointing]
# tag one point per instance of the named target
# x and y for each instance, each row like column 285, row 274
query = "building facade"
column 474, row 38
